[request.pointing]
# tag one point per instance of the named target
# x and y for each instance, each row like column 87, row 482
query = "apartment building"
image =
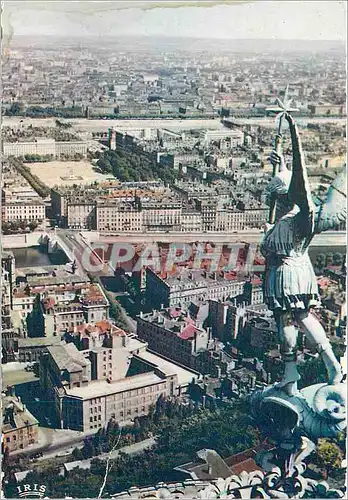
column 29, row 350
column 45, row 281
column 190, row 286
column 113, row 217
column 51, row 316
column 326, row 109
column 81, row 215
column 174, row 334
column 20, row 427
column 69, row 148
column 28, row 210
column 9, row 331
column 161, row 216
column 235, row 137
column 236, row 220
column 81, row 397
column 191, row 221
column 229, row 318
column 40, row 146
column 110, row 349
column 50, row 299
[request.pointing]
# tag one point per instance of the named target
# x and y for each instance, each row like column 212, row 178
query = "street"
column 98, row 125
column 329, row 238
column 128, row 450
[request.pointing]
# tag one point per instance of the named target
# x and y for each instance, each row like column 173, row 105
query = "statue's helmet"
column 334, row 209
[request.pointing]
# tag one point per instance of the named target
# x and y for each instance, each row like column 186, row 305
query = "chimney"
column 11, row 417
column 11, row 390
column 195, row 341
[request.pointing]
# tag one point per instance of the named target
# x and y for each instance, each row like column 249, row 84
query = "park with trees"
column 180, row 429
column 328, row 259
column 19, row 226
column 128, row 166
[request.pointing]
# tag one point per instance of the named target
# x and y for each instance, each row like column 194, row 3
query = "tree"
column 15, row 109
column 77, row 454
column 329, row 259
column 337, row 259
column 33, row 225
column 329, row 455
column 320, row 261
column 88, row 448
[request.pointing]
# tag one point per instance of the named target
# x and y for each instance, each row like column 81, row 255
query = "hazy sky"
column 307, row 20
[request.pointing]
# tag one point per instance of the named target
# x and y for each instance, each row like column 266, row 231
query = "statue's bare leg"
column 317, row 337
column 288, row 333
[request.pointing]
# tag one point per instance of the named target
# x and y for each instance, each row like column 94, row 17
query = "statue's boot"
column 290, row 376
column 333, row 368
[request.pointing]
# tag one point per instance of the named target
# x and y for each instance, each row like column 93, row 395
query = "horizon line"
column 334, row 40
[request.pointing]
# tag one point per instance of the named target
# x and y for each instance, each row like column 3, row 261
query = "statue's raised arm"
column 299, row 189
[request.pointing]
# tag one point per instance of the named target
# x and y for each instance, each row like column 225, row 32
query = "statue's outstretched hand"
column 289, row 118
column 267, row 227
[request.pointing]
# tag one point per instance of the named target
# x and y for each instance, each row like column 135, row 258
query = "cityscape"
column 136, row 196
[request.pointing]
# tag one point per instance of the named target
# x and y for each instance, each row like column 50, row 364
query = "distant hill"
column 186, row 44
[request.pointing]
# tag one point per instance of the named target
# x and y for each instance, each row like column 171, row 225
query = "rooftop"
column 184, row 375
column 68, row 357
column 100, row 388
column 175, row 320
column 55, row 280
column 38, row 342
column 21, row 416
column 188, row 278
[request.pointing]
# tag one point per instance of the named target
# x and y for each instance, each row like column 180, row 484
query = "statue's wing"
column 333, row 212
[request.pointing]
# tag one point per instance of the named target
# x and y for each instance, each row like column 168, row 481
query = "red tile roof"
column 104, row 325
column 174, row 312
column 188, row 332
column 248, row 465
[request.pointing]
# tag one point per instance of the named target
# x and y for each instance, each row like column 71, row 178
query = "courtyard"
column 67, row 173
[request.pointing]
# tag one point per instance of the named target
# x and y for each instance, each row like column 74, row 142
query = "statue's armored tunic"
column 289, row 281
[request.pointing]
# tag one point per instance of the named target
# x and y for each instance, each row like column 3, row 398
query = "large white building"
column 236, row 137
column 45, row 146
column 114, row 376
